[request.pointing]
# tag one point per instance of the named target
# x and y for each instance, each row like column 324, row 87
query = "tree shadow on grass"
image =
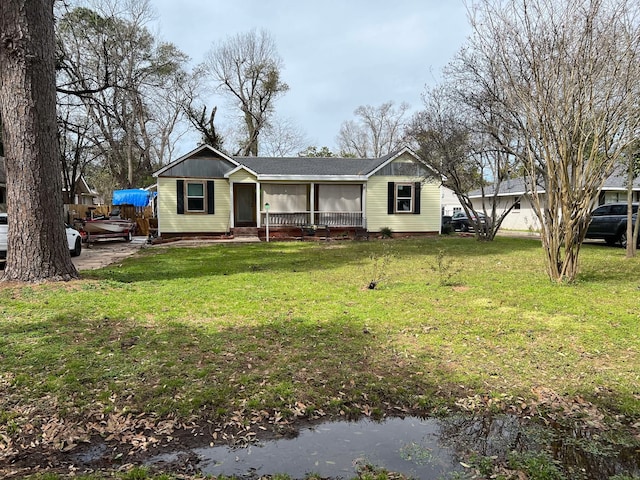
column 204, row 370
column 283, row 370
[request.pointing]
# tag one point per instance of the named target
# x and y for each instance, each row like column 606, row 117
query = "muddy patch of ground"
column 476, row 444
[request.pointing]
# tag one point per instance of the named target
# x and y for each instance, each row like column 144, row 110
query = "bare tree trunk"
column 631, row 239
column 37, row 246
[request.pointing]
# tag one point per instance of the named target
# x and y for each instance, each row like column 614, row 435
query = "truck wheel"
column 128, row 237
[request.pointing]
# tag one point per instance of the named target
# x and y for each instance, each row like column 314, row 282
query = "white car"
column 73, row 239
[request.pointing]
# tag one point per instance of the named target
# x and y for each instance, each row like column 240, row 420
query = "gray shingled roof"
column 311, row 166
column 618, row 181
column 516, row 186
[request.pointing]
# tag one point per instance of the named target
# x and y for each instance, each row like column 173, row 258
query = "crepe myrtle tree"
column 567, row 74
column 37, row 245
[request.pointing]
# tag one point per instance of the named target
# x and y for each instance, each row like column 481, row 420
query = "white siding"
column 522, row 219
column 450, row 203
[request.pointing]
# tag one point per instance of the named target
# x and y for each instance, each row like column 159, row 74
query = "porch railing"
column 339, row 219
column 286, row 219
column 297, row 219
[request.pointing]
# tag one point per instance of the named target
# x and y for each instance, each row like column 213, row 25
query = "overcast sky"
column 337, row 54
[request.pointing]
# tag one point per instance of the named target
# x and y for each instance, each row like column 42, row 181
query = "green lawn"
column 291, row 329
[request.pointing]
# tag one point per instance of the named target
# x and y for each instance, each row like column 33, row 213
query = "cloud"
column 337, row 54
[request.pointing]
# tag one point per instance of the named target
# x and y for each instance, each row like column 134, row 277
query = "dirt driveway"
column 105, row 252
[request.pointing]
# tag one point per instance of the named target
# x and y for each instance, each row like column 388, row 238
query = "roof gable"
column 406, row 152
column 203, row 161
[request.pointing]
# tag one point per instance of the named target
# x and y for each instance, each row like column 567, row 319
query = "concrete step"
column 244, row 232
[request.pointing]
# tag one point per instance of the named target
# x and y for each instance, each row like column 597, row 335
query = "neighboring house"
column 450, row 203
column 207, row 192
column 84, row 194
column 523, row 216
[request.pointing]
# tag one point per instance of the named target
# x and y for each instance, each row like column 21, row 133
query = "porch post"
column 312, row 203
column 363, row 195
column 258, row 206
column 231, row 203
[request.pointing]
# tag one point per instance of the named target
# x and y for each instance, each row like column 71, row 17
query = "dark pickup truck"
column 609, row 223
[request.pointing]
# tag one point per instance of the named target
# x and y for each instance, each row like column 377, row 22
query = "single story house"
column 523, row 216
column 207, row 192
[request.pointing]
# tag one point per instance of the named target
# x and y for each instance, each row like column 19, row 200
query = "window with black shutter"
column 403, row 198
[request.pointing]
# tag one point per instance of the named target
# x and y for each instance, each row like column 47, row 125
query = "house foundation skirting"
column 172, row 236
column 304, row 233
column 293, row 233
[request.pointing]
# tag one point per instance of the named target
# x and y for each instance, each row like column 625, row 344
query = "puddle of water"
column 93, row 452
column 409, row 446
column 428, row 449
column 581, row 455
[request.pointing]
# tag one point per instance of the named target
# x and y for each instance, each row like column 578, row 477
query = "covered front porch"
column 298, row 204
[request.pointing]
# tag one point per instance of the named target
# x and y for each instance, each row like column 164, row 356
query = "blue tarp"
column 135, row 197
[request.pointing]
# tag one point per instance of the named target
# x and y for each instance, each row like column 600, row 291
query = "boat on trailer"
column 107, row 227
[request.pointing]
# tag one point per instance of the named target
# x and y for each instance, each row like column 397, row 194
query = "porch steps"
column 246, row 234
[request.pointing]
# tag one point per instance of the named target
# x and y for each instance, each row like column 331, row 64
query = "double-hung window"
column 404, row 198
column 195, row 196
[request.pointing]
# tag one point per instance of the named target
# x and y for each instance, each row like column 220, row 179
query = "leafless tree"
column 632, row 158
column 37, row 245
column 75, row 152
column 247, row 68
column 376, row 132
column 567, row 72
column 197, row 111
column 283, row 138
column 452, row 136
column 127, row 83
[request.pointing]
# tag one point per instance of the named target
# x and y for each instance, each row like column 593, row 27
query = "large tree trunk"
column 37, row 246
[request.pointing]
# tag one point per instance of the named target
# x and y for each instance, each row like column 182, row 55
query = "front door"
column 244, row 204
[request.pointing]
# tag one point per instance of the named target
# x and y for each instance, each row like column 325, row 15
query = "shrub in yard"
column 386, row 232
column 380, row 264
column 445, row 268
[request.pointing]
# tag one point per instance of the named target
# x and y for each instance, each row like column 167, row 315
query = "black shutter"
column 180, row 195
column 391, row 198
column 210, row 202
column 416, row 200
